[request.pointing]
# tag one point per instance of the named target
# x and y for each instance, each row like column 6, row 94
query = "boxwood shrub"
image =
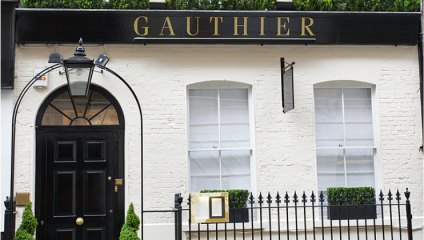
column 237, row 192
column 332, row 199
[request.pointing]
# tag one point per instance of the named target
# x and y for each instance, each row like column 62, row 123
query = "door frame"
column 118, row 217
column 40, row 186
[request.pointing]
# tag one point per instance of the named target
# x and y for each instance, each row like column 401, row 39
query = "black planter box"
column 241, row 215
column 371, row 212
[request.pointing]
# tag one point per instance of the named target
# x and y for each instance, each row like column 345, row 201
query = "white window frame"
column 224, row 85
column 344, row 84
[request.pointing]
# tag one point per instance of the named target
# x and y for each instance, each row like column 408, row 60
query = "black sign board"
column 287, row 88
column 7, row 43
column 227, row 27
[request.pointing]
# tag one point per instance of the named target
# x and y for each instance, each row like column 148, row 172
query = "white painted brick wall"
column 284, row 143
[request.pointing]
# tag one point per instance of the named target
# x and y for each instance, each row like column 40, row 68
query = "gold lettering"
column 216, row 24
column 311, row 22
column 262, row 26
column 282, row 26
column 169, row 26
column 188, row 26
column 146, row 29
column 244, row 26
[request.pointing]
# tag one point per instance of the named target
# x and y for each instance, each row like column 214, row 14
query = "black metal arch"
column 11, row 229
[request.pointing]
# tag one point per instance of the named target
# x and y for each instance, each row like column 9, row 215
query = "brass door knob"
column 80, row 221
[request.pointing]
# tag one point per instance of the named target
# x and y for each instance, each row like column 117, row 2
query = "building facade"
column 212, row 118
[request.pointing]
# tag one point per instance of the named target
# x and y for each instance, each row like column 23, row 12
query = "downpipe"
column 420, row 62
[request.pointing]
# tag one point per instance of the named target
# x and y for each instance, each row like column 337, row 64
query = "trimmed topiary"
column 131, row 225
column 332, row 195
column 29, row 223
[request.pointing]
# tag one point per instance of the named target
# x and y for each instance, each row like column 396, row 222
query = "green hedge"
column 86, row 4
column 237, row 192
column 357, row 5
column 298, row 5
column 332, row 200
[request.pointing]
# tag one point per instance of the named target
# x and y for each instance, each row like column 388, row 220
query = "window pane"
column 235, row 167
column 97, row 103
column 53, row 117
column 107, row 117
column 360, row 167
column 328, row 117
column 204, row 170
column 358, row 117
column 64, row 104
column 234, row 114
column 203, row 118
column 80, row 122
column 330, row 167
column 81, row 104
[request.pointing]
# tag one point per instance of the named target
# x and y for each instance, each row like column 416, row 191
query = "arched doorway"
column 79, row 166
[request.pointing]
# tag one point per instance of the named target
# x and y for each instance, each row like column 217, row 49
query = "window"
column 219, row 139
column 345, row 144
column 95, row 109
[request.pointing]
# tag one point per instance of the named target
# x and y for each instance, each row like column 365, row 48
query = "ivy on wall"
column 298, row 5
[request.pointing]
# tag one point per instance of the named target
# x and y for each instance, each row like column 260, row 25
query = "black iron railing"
column 303, row 217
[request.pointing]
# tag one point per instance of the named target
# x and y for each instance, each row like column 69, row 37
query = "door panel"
column 95, row 151
column 94, row 233
column 76, row 172
column 64, row 193
column 94, row 193
column 65, row 233
column 65, row 151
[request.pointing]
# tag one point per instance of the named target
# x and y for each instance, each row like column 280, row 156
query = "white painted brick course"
column 284, row 143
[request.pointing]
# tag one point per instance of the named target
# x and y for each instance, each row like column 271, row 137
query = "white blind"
column 219, row 139
column 344, row 137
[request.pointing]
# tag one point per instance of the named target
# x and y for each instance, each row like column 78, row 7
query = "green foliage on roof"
column 86, row 4
column 357, row 5
column 298, row 5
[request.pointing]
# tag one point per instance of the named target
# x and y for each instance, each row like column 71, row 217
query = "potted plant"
column 238, row 211
column 131, row 225
column 29, row 223
column 351, row 203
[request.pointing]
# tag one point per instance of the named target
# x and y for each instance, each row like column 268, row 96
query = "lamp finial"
column 80, row 49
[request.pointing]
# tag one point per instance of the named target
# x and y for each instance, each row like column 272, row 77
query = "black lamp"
column 79, row 71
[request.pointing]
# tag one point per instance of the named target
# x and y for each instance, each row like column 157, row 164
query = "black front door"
column 76, row 195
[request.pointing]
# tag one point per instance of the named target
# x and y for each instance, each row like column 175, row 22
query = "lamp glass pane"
column 78, row 78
